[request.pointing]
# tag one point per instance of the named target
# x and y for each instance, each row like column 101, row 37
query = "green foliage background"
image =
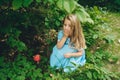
column 29, row 27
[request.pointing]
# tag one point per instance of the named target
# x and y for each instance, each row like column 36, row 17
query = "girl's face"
column 67, row 26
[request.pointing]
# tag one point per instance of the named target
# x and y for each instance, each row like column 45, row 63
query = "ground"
column 114, row 20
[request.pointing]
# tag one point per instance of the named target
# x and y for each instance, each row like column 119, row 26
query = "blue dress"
column 58, row 60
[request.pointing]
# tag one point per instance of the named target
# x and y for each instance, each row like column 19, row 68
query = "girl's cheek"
column 69, row 30
column 64, row 28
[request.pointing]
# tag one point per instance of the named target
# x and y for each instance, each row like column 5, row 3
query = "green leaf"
column 90, row 20
column 110, row 38
column 84, row 12
column 69, row 5
column 3, row 76
column 17, row 33
column 16, row 4
column 38, row 1
column 89, row 75
column 107, row 77
column 26, row 3
column 84, row 16
column 11, row 41
column 80, row 15
column 21, row 46
column 20, row 78
column 57, row 23
column 60, row 4
column 95, row 75
column 95, row 36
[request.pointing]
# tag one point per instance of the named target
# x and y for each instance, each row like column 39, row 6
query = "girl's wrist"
column 72, row 55
column 65, row 37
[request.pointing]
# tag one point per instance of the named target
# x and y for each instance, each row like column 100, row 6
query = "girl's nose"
column 66, row 27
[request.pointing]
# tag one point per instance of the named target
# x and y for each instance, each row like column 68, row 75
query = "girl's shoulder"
column 60, row 32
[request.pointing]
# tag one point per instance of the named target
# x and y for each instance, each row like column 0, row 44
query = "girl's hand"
column 68, row 55
column 66, row 33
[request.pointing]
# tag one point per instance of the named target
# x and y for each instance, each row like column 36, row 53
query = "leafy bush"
column 110, row 5
column 97, row 34
column 30, row 27
column 92, row 70
column 24, row 26
column 19, row 69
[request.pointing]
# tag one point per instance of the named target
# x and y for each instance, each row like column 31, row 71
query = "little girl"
column 69, row 52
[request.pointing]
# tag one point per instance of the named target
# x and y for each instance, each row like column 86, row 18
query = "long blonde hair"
column 76, row 37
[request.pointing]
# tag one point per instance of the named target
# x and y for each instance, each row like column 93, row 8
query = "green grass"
column 114, row 21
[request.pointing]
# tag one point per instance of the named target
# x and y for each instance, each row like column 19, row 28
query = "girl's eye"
column 64, row 24
column 69, row 25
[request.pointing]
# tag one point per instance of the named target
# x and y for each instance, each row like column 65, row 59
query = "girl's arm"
column 61, row 42
column 76, row 54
